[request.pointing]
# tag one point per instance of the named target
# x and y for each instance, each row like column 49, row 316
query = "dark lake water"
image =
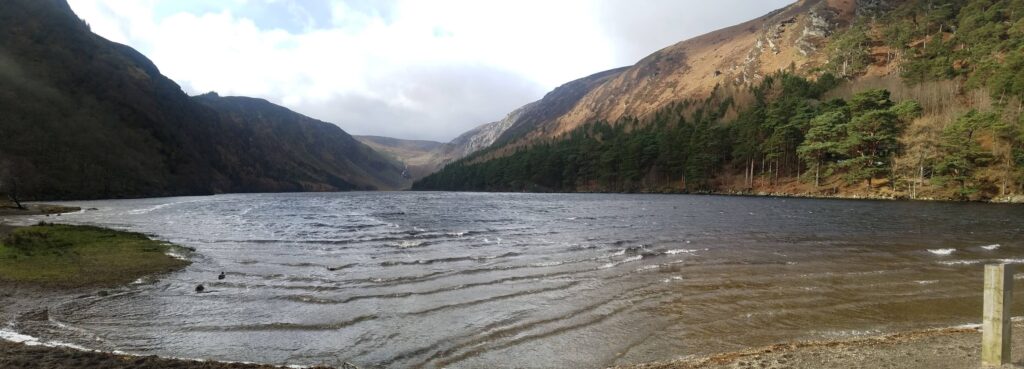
column 468, row 280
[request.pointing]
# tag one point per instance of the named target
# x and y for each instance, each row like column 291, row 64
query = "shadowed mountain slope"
column 84, row 117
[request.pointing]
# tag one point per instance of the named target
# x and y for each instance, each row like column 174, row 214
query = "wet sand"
column 953, row 348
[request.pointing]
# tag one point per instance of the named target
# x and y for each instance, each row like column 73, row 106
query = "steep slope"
column 483, row 136
column 691, row 69
column 513, row 126
column 527, row 118
column 275, row 149
column 789, row 38
column 865, row 98
column 84, row 117
column 554, row 104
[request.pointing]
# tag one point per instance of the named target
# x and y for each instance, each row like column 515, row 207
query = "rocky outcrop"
column 821, row 21
column 483, row 136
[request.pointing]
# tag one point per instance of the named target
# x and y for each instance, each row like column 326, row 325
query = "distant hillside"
column 423, row 162
column 852, row 98
column 411, row 145
column 287, row 151
column 84, row 117
column 418, row 157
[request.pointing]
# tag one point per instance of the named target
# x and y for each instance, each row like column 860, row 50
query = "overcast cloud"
column 416, row 69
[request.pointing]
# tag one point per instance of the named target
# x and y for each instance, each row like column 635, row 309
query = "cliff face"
column 483, row 136
column 84, row 117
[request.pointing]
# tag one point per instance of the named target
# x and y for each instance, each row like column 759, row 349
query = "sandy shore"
column 930, row 349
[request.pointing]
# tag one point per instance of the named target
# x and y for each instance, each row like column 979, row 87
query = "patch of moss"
column 77, row 256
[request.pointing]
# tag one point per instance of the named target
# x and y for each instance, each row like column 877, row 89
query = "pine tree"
column 963, row 154
column 823, row 140
column 872, row 136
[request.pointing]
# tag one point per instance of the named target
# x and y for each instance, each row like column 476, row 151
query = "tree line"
column 788, row 132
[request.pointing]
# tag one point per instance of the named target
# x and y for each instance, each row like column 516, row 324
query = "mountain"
column 426, row 157
column 418, row 157
column 853, row 98
column 84, row 117
column 281, row 150
column 691, row 69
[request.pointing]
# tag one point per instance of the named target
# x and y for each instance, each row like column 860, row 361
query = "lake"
column 467, row 280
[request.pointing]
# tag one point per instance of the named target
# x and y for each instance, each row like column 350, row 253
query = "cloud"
column 429, row 102
column 638, row 28
column 403, row 68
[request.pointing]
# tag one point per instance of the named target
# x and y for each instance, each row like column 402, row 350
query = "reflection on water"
column 534, row 280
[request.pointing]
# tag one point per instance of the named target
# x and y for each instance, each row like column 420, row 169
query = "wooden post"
column 995, row 324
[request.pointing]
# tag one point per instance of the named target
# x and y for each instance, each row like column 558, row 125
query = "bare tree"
column 9, row 182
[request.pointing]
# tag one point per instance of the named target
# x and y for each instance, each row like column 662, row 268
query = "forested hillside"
column 912, row 99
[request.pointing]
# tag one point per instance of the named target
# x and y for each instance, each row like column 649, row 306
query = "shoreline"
column 36, row 209
column 1016, row 200
column 952, row 347
column 1012, row 199
column 41, row 356
column 27, row 302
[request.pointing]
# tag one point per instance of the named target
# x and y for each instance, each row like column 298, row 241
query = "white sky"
column 416, row 69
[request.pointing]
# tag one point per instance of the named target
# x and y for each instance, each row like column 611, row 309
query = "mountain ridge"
column 523, row 119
